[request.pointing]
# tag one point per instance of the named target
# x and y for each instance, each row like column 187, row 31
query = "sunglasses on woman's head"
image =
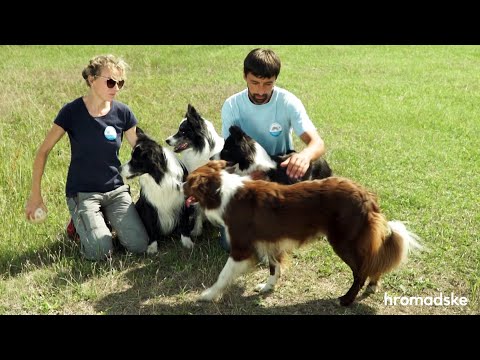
column 111, row 83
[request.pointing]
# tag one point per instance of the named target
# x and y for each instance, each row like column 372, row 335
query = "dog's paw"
column 345, row 300
column 371, row 288
column 208, row 295
column 197, row 231
column 198, row 228
column 152, row 248
column 187, row 242
column 263, row 288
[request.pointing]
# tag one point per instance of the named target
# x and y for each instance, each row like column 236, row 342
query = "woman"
column 95, row 191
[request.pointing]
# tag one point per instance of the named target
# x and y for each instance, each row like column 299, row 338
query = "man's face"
column 259, row 89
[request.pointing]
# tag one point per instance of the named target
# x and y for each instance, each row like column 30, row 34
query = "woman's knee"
column 96, row 247
column 131, row 231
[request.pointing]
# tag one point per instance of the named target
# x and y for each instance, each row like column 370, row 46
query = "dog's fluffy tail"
column 410, row 241
column 397, row 242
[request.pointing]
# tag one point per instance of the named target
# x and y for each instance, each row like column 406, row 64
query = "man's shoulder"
column 285, row 94
column 236, row 96
column 287, row 98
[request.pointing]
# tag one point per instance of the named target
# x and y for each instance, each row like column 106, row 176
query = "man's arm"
column 227, row 120
column 315, row 145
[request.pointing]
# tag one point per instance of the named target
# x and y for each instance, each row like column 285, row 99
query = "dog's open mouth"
column 180, row 147
column 190, row 201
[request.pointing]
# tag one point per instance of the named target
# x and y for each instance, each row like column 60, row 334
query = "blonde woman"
column 95, row 192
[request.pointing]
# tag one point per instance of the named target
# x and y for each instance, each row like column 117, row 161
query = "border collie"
column 263, row 217
column 196, row 139
column 247, row 156
column 161, row 204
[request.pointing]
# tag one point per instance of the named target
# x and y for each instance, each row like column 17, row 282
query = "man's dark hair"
column 262, row 63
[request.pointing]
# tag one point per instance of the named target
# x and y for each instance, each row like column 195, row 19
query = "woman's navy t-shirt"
column 95, row 144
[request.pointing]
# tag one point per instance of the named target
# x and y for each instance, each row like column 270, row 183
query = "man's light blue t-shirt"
column 269, row 124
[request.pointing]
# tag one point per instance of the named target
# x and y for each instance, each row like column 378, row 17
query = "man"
column 270, row 114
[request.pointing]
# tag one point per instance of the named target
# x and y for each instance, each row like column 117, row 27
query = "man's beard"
column 258, row 99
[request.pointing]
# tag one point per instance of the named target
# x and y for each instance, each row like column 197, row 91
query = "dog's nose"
column 168, row 140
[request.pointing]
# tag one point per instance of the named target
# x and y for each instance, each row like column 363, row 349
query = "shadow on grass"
column 169, row 293
column 64, row 249
column 243, row 305
column 12, row 265
column 66, row 252
column 166, row 283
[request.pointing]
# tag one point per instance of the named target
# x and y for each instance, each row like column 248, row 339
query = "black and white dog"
column 161, row 204
column 246, row 155
column 196, row 139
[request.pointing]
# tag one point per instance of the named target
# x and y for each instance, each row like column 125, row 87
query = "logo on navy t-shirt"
column 110, row 133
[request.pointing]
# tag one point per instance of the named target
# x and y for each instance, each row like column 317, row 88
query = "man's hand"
column 297, row 165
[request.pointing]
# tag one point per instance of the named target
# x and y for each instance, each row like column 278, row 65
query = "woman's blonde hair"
column 97, row 63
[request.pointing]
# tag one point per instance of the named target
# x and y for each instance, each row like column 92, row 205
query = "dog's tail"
column 410, row 241
column 390, row 245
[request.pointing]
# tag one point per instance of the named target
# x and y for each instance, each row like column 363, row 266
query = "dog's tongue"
column 190, row 200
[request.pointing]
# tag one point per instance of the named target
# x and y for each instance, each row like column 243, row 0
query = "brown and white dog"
column 263, row 217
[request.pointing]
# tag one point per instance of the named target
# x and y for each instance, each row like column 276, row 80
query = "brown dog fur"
column 261, row 216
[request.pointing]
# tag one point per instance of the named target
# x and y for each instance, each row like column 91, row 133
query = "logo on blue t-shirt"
column 110, row 133
column 275, row 129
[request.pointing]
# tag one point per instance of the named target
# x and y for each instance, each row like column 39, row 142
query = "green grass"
column 402, row 120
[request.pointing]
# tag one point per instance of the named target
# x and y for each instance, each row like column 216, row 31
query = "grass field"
column 402, row 120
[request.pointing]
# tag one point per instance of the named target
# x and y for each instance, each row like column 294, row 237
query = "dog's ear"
column 140, row 134
column 192, row 111
column 217, row 165
column 236, row 132
column 207, row 191
column 193, row 117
